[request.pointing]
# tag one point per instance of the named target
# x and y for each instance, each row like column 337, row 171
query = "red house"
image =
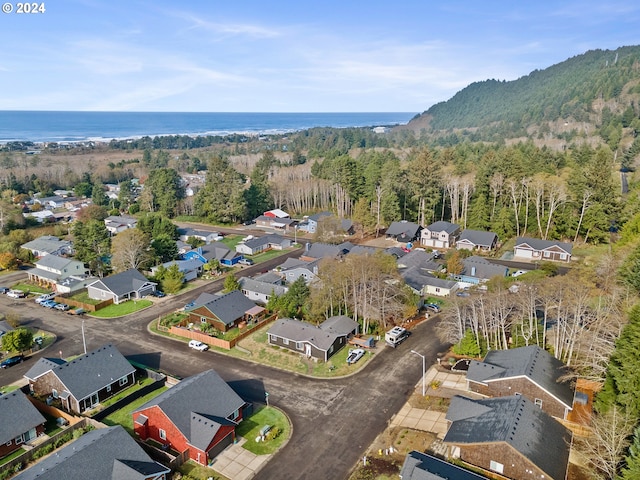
column 20, row 422
column 196, row 418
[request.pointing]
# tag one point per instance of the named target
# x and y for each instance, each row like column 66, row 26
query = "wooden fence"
column 215, row 341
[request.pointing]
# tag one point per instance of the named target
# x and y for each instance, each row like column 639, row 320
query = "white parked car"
column 44, row 297
column 196, row 345
column 16, row 294
column 355, row 354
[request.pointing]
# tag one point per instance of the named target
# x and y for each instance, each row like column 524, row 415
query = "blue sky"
column 288, row 56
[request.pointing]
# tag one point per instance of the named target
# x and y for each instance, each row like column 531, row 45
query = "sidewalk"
column 237, row 463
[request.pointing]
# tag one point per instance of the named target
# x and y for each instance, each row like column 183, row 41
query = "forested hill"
column 599, row 87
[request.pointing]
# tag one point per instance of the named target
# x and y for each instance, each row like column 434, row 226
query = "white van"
column 396, row 336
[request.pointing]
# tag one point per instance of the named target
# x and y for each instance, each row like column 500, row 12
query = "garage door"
column 522, row 253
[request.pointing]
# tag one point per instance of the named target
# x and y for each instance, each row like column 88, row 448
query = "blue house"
column 479, row 270
column 214, row 251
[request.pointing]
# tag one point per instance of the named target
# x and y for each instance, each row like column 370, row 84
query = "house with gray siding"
column 191, row 269
column 403, row 231
column 260, row 292
column 52, row 269
column 318, row 342
column 48, row 245
column 294, row 268
column 123, row 286
column 264, row 243
column 85, row 381
column 509, row 436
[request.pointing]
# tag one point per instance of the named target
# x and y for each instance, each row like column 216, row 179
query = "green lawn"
column 8, row 389
column 199, row 472
column 28, row 287
column 250, row 429
column 134, row 388
column 124, row 415
column 11, row 456
column 126, row 308
column 83, row 297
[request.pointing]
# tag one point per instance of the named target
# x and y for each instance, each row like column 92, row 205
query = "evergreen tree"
column 631, row 470
column 98, row 197
column 231, row 283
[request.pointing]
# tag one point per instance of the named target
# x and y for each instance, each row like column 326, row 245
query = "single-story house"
column 422, row 466
column 75, row 283
column 478, row 270
column 51, row 202
column 440, row 234
column 123, row 286
column 21, row 422
column 477, row 240
column 261, row 292
column 529, row 371
column 196, row 417
column 83, row 382
column 319, row 342
column 52, row 269
column 224, row 311
column 256, row 245
column 214, row 251
column 319, row 250
column 535, row 249
column 191, row 269
column 48, row 245
column 116, row 223
column 403, row 231
column 100, row 454
column 510, row 436
column 293, row 268
column 204, row 235
column 42, row 216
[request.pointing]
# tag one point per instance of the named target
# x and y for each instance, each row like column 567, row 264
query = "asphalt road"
column 334, row 421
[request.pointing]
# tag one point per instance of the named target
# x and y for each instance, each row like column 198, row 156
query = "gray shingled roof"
column 47, row 243
column 269, row 277
column 93, row 371
column 481, row 268
column 409, row 229
column 55, row 262
column 228, row 307
column 122, row 283
column 42, row 366
column 421, row 466
column 442, row 226
column 532, row 362
column 323, row 250
column 478, row 237
column 101, row 454
column 17, row 415
column 317, row 216
column 271, row 239
column 264, row 288
column 321, row 338
column 538, row 244
column 198, row 406
column 515, row 421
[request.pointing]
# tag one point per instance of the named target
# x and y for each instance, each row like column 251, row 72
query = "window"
column 299, row 345
column 437, row 289
column 563, row 256
column 19, row 440
column 162, row 434
column 285, row 341
column 547, row 254
column 54, row 393
column 108, row 388
column 123, row 381
column 9, row 443
column 203, row 319
column 538, row 402
column 496, row 467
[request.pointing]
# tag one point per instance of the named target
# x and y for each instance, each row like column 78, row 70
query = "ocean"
column 63, row 127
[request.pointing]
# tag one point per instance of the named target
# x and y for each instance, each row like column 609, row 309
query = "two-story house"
column 51, row 270
column 440, row 235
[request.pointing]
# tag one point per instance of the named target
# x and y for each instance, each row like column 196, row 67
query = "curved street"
column 334, row 421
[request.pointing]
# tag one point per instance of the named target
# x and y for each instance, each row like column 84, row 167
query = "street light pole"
column 84, row 342
column 423, row 370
